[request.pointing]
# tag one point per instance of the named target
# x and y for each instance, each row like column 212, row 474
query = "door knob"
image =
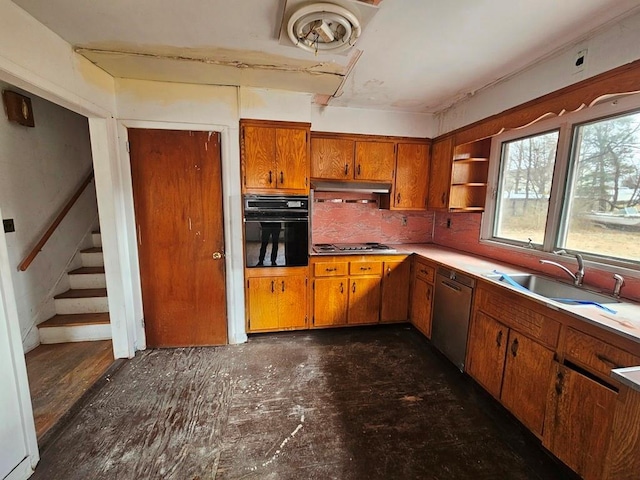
column 217, row 255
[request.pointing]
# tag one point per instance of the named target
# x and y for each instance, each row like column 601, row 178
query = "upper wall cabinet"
column 274, row 156
column 458, row 177
column 336, row 156
column 411, row 179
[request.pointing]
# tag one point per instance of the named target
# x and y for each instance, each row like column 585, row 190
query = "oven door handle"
column 276, row 219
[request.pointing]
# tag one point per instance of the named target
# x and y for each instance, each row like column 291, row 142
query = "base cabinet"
column 276, row 303
column 395, row 291
column 352, row 290
column 486, row 352
column 424, row 275
column 579, row 420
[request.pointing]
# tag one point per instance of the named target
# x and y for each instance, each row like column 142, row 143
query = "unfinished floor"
column 365, row 403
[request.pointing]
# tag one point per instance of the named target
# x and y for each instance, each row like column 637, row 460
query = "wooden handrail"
column 29, row 258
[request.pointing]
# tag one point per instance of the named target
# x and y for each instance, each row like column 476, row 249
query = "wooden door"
column 486, row 352
column 177, row 195
column 330, row 301
column 292, row 301
column 526, row 380
column 395, row 291
column 440, row 174
column 263, row 303
column 364, row 300
column 258, row 157
column 332, row 158
column 375, row 161
column 579, row 421
column 421, row 306
column 412, row 169
column 292, row 159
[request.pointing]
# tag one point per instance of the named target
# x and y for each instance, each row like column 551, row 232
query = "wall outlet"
column 9, row 226
column 403, row 221
column 580, row 61
column 448, row 223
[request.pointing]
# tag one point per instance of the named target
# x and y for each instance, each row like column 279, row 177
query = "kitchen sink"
column 552, row 289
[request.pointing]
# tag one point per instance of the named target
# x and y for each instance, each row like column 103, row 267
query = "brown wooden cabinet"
column 347, row 290
column 411, row 180
column 458, row 175
column 274, row 156
column 578, row 426
column 396, row 281
column 332, row 158
column 337, row 156
column 440, row 174
column 508, row 353
column 374, row 161
column 276, row 302
column 422, row 295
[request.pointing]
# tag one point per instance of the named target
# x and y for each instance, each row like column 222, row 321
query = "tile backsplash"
column 351, row 222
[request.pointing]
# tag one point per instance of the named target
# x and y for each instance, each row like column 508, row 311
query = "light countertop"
column 625, row 322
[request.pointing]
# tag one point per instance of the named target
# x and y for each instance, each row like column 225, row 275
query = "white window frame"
column 565, row 123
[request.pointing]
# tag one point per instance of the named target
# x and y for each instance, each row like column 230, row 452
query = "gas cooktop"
column 338, row 248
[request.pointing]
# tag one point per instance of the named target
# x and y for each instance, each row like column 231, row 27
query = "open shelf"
column 469, row 174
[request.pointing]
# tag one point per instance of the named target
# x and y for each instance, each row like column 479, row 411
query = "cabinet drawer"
column 425, row 271
column 519, row 313
column 601, row 357
column 365, row 268
column 330, row 269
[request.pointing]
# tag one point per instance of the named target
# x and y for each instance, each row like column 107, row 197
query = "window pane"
column 526, row 171
column 602, row 214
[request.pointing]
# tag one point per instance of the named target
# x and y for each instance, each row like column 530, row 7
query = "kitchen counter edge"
column 479, row 267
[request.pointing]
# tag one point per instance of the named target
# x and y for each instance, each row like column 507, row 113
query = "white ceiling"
column 414, row 55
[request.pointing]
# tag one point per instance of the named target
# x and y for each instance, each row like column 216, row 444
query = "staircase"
column 82, row 313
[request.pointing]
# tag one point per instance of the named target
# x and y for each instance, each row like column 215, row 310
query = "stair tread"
column 87, row 271
column 76, row 319
column 92, row 250
column 83, row 293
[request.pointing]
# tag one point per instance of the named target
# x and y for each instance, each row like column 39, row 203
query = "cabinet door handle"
column 341, row 287
column 346, row 169
column 388, row 271
column 358, row 170
column 398, row 200
column 364, row 269
column 273, row 286
column 499, row 339
column 281, row 178
column 353, row 289
column 514, row 347
column 607, row 360
column 283, row 285
column 423, row 271
column 270, row 177
column 559, row 383
column 333, row 269
column 428, row 294
column 442, row 198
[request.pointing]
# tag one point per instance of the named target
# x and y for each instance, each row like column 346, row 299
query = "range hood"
column 351, row 186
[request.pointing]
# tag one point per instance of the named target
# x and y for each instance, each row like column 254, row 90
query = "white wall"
column 372, row 122
column 608, row 48
column 40, row 169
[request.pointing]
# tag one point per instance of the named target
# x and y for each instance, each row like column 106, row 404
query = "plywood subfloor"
column 60, row 374
column 350, row 404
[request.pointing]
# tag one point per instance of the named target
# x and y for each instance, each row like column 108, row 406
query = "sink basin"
column 554, row 289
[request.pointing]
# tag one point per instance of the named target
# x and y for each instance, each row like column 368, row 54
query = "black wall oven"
column 276, row 230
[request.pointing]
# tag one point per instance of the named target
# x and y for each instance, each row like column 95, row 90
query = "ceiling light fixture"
column 323, row 28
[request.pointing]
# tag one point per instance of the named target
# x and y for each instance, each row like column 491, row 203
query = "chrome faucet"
column 619, row 282
column 577, row 277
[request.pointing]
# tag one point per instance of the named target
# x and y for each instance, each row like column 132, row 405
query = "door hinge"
column 128, row 146
column 306, row 282
column 143, row 324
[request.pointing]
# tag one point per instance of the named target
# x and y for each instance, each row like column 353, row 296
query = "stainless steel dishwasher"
column 451, row 312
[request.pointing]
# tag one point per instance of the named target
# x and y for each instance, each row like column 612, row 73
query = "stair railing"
column 38, row 247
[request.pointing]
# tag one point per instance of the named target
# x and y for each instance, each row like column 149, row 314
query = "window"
column 571, row 183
